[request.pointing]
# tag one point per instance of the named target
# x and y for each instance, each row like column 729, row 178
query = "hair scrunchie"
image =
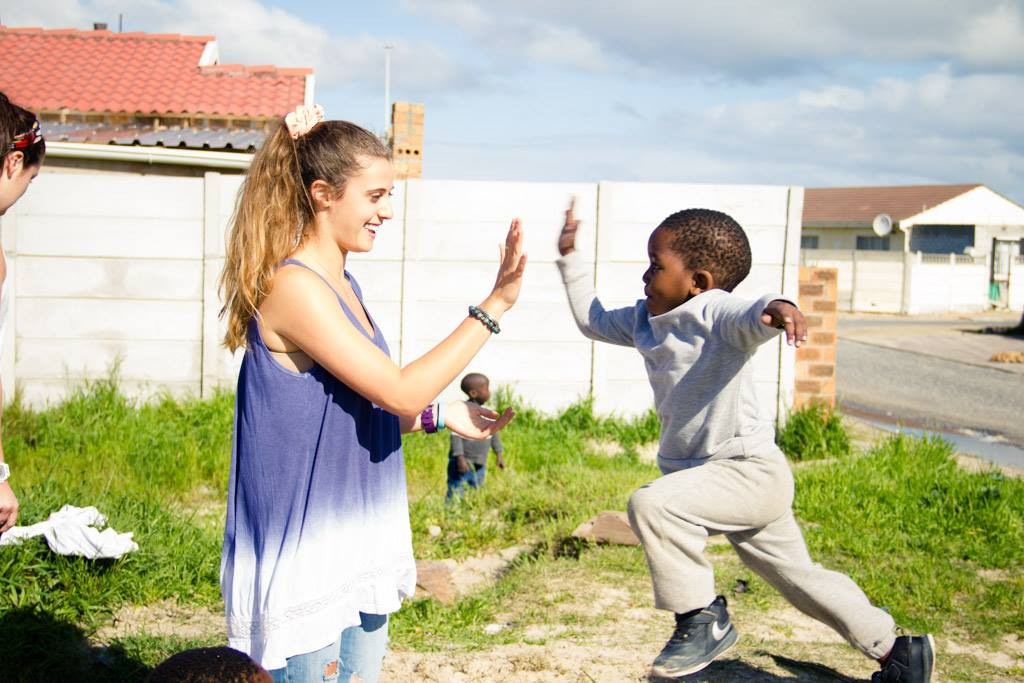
column 302, row 120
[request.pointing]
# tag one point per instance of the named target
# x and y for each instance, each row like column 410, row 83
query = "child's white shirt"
column 697, row 358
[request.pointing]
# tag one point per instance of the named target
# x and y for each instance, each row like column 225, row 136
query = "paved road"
column 929, row 390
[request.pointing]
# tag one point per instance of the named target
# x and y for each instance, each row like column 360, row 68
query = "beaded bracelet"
column 486, row 319
column 427, row 419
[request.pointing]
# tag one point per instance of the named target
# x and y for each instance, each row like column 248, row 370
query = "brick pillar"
column 407, row 139
column 816, row 359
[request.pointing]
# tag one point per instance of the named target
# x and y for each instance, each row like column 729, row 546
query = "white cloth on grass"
column 72, row 531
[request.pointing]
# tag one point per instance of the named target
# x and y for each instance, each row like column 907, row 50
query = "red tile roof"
column 859, row 205
column 137, row 73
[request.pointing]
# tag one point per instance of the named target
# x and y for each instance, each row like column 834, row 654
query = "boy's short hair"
column 209, row 665
column 471, row 381
column 711, row 240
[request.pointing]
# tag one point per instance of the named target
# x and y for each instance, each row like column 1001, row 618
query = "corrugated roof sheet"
column 859, row 205
column 138, row 73
column 194, row 138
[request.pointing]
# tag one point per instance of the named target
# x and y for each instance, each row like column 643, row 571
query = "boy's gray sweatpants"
column 750, row 500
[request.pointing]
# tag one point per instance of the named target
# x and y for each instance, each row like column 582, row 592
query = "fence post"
column 212, row 262
column 853, row 281
column 951, row 282
column 908, row 272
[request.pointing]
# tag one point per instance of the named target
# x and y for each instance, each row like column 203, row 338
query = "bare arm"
column 301, row 309
column 8, row 501
column 748, row 324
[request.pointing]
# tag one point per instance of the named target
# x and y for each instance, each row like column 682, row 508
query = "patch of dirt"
column 770, row 650
column 604, row 629
column 648, row 452
column 476, row 572
column 165, row 618
column 791, row 624
column 1008, row 357
column 604, row 447
column 1012, row 657
column 208, row 505
column 995, row 574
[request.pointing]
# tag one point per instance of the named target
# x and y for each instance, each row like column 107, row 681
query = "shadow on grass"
column 40, row 647
column 733, row 670
column 570, row 547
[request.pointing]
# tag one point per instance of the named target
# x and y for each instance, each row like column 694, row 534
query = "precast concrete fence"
column 122, row 269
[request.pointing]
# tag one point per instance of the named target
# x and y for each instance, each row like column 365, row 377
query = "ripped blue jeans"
column 359, row 650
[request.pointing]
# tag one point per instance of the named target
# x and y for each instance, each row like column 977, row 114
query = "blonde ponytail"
column 273, row 208
column 259, row 238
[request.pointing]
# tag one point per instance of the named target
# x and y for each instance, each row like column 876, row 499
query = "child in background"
column 467, row 458
column 209, row 665
column 722, row 471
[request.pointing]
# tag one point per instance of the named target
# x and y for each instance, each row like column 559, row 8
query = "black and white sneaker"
column 911, row 660
column 700, row 637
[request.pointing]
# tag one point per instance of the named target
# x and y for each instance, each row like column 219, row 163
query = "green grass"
column 812, row 433
column 916, row 532
column 553, row 482
column 939, row 547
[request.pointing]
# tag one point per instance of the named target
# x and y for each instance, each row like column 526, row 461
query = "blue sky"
column 737, row 91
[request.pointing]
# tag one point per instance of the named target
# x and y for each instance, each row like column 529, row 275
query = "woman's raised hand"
column 473, row 421
column 510, row 270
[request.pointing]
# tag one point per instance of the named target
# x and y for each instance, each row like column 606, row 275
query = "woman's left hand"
column 474, row 421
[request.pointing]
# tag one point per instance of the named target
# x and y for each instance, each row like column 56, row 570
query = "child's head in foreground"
column 691, row 252
column 209, row 665
column 477, row 387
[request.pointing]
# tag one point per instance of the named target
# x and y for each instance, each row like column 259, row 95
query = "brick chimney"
column 407, row 139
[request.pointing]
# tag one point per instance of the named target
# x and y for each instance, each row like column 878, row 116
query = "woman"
column 23, row 150
column 317, row 547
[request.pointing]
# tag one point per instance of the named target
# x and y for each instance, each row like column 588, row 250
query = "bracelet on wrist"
column 427, row 420
column 485, row 318
column 440, row 415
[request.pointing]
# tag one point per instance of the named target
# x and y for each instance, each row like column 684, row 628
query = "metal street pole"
column 387, row 91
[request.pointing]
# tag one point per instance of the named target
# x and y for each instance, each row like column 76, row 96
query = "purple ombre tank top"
column 317, row 523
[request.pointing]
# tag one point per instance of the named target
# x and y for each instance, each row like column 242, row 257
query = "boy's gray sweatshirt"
column 696, row 357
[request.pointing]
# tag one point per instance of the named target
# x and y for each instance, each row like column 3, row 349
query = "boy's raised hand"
column 786, row 316
column 567, row 238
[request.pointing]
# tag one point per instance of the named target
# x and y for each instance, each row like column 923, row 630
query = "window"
column 941, row 239
column 808, row 241
column 872, row 243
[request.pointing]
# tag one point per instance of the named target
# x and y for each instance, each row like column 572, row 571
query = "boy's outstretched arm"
column 781, row 314
column 748, row 324
column 615, row 327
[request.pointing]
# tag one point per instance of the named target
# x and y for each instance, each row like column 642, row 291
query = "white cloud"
column 749, row 39
column 565, row 46
column 933, row 128
column 514, row 35
column 254, row 32
column 994, row 39
column 832, row 97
